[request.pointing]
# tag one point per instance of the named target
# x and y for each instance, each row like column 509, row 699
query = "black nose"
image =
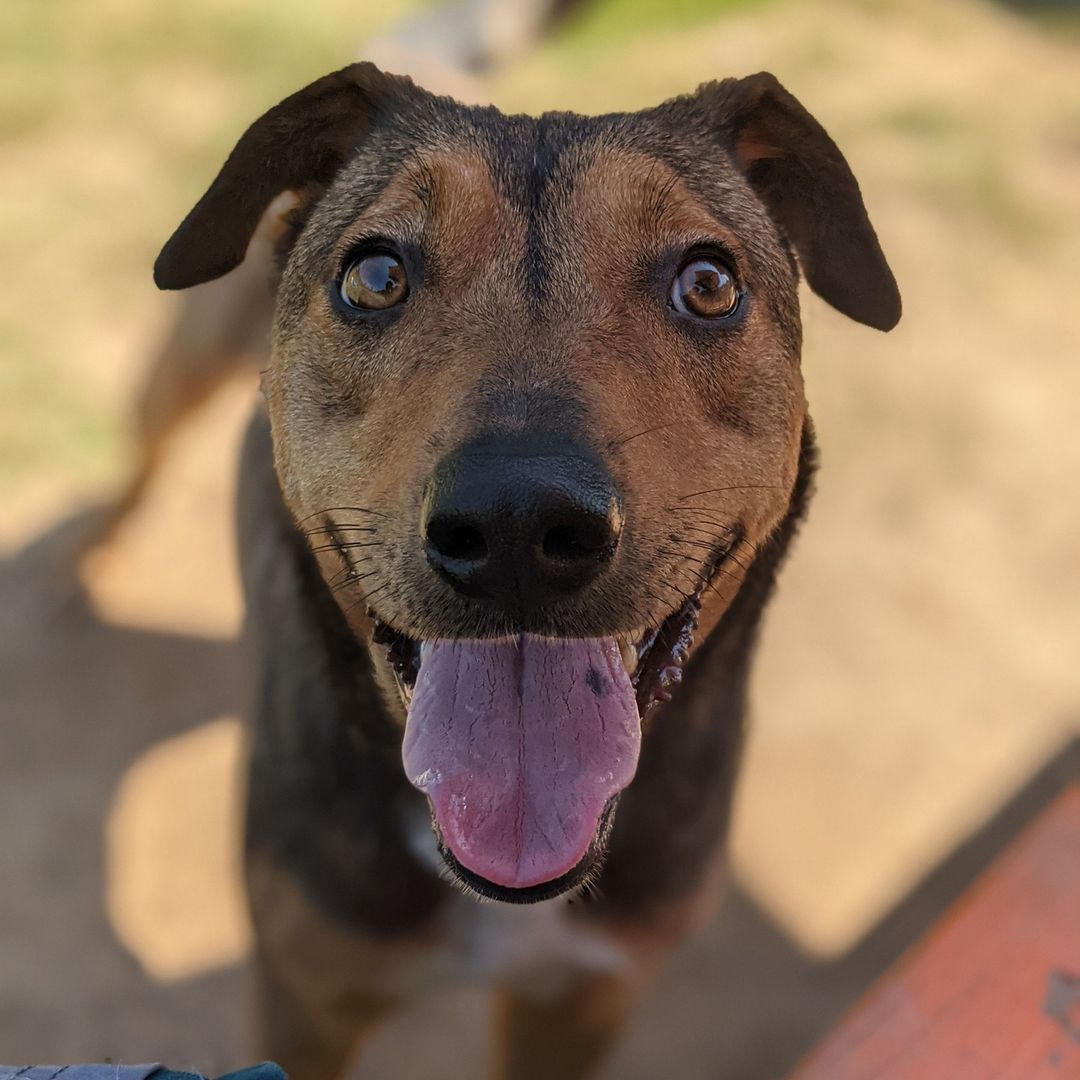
column 520, row 526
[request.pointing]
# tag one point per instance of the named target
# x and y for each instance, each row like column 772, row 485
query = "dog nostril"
column 457, row 541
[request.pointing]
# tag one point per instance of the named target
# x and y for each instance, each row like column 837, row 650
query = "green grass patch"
column 607, row 21
column 921, row 119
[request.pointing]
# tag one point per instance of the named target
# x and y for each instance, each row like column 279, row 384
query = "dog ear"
column 802, row 178
column 300, row 143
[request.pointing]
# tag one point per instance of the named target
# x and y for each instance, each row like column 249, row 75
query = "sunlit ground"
column 920, row 660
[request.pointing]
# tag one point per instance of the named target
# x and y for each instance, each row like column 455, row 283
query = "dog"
column 534, row 445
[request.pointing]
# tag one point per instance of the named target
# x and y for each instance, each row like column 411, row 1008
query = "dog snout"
column 519, row 527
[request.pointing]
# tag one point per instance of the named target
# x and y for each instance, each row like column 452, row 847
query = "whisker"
column 352, row 579
column 712, row 583
column 614, row 444
column 666, row 603
column 732, row 487
column 694, row 573
column 365, row 598
column 341, row 509
column 350, row 546
column 725, row 526
column 694, row 509
column 733, row 555
column 375, row 592
column 349, row 569
column 643, row 619
column 723, row 534
column 730, row 555
column 718, row 533
column 716, row 537
column 328, row 529
column 695, row 543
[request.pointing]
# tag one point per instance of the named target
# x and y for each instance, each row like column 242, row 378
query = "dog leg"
column 566, row 1035
column 305, row 1046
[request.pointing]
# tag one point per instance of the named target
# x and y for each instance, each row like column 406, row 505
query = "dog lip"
column 402, row 652
column 663, row 655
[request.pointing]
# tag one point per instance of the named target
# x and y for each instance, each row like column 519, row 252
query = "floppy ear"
column 802, row 178
column 299, row 143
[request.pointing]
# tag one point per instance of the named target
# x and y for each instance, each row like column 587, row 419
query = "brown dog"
column 537, row 444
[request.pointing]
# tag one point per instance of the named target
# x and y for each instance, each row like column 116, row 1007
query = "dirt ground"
column 918, row 667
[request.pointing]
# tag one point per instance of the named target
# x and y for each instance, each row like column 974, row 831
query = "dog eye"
column 375, row 281
column 706, row 288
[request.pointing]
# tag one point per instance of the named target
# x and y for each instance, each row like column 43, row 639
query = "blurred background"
column 920, row 667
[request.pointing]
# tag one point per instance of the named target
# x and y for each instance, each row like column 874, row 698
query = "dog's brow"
column 409, row 194
column 418, row 174
column 670, row 212
column 659, row 184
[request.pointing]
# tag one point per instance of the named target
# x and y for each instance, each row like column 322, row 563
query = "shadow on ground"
column 81, row 700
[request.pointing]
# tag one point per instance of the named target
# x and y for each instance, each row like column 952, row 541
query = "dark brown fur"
column 541, row 251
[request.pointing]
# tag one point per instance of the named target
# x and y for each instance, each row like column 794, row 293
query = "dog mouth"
column 652, row 658
column 522, row 744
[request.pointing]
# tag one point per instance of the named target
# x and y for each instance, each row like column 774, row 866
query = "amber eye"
column 374, row 281
column 706, row 288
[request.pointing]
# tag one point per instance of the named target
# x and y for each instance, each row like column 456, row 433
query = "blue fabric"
column 267, row 1070
column 78, row 1072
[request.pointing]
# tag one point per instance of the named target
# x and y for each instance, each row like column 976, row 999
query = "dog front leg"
column 565, row 1035
column 309, row 1046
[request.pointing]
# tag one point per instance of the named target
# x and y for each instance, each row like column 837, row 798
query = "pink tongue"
column 519, row 745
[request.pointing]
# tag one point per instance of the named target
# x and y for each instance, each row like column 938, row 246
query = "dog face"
column 536, row 401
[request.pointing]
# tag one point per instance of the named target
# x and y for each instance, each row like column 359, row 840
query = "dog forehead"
column 446, row 191
column 461, row 157
column 624, row 188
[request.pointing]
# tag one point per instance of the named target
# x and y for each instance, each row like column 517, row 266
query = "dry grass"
column 112, row 114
